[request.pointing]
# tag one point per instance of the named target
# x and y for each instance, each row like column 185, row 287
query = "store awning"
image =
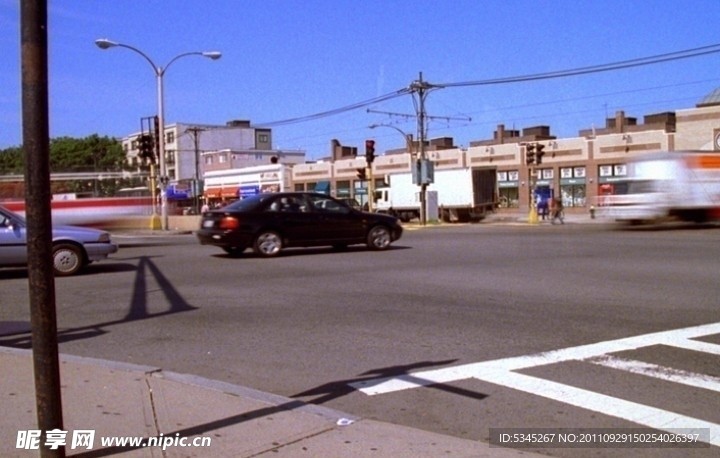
column 231, row 192
column 213, row 193
column 323, row 186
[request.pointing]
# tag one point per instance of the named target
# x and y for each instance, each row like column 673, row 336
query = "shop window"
column 508, row 189
column 572, row 186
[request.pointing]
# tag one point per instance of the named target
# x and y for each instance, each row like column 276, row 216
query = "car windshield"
column 11, row 214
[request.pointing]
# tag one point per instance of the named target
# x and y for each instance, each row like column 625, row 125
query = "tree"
column 89, row 154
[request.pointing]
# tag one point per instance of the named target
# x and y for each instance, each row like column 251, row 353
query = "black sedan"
column 269, row 222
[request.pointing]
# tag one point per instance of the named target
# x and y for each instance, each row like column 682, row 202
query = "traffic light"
column 361, row 175
column 145, row 147
column 539, row 153
column 530, row 154
column 369, row 151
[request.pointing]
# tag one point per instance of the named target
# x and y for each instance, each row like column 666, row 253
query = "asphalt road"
column 324, row 326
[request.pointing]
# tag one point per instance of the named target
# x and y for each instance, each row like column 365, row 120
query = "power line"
column 656, row 59
column 337, row 111
column 677, row 55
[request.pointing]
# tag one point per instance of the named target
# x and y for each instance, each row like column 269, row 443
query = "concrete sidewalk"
column 123, row 400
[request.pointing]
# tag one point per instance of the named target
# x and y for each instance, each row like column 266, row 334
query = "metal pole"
column 159, row 72
column 104, row 43
column 195, row 131
column 36, row 146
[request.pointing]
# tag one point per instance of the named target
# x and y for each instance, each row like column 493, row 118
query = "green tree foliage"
column 11, row 161
column 93, row 153
column 89, row 154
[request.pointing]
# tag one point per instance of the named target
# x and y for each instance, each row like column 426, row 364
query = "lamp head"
column 214, row 55
column 104, row 43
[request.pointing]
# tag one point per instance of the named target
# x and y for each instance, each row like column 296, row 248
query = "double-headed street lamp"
column 104, row 43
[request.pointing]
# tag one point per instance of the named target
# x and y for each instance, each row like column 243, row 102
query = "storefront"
column 612, row 180
column 573, row 188
column 509, row 188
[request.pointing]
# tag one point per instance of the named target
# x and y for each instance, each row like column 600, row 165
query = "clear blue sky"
column 292, row 58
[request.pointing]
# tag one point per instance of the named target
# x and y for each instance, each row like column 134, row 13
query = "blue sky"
column 292, row 58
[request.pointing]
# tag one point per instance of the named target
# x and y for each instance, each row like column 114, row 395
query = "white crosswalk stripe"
column 503, row 372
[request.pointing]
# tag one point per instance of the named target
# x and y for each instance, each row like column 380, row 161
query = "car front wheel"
column 68, row 259
column 268, row 244
column 379, row 238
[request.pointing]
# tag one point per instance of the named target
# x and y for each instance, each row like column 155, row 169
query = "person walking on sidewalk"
column 558, row 212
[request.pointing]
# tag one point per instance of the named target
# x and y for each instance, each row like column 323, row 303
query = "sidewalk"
column 123, row 400
column 522, row 217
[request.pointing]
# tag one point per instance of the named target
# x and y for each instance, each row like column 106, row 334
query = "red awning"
column 231, row 192
column 213, row 193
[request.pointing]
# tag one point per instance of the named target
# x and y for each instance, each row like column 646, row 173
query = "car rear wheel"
column 379, row 238
column 68, row 259
column 268, row 244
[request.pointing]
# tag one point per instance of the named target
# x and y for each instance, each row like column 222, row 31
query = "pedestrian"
column 205, row 208
column 543, row 207
column 557, row 210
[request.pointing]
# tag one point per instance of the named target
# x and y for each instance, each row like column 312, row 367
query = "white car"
column 73, row 247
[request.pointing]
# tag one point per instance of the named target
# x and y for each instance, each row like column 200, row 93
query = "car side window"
column 329, row 206
column 288, row 204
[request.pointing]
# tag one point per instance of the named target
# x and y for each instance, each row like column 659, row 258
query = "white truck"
column 459, row 195
column 243, row 182
column 666, row 186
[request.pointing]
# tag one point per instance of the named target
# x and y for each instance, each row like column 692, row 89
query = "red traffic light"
column 369, row 151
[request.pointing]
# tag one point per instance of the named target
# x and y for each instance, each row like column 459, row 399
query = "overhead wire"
column 677, row 55
column 340, row 110
column 630, row 63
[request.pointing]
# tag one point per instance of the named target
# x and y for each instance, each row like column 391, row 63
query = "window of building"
column 509, row 188
column 342, row 188
column 208, row 160
column 170, row 137
column 572, row 186
column 263, row 138
column 222, row 158
column 612, row 180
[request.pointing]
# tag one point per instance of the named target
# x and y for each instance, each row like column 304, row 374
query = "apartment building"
column 190, row 149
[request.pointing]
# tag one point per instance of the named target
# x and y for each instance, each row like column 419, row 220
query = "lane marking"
column 651, row 417
column 675, row 338
column 704, row 381
column 502, row 372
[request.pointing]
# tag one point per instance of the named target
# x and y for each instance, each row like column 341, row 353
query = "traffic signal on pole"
column 530, row 154
column 539, row 153
column 369, row 151
column 361, row 175
column 145, row 147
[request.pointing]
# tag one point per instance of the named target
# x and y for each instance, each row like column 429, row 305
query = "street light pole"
column 104, row 43
column 407, row 137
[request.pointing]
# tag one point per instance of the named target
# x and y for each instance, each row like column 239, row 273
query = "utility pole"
column 41, row 281
column 195, row 131
column 421, row 88
column 420, row 165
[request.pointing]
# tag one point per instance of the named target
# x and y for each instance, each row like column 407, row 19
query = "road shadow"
column 314, row 251
column 337, row 389
column 137, row 310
